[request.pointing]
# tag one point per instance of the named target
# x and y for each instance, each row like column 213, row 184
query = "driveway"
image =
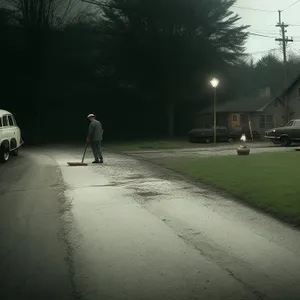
column 126, row 230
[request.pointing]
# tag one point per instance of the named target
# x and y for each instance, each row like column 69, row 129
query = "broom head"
column 76, row 164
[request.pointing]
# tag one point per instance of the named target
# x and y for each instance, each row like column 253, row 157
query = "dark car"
column 223, row 134
column 207, row 135
column 285, row 135
column 236, row 134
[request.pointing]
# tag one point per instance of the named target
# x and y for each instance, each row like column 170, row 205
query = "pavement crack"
column 257, row 294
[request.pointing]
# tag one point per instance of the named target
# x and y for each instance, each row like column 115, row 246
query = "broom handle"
column 84, row 152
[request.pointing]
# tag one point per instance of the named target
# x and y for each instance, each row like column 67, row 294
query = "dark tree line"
column 248, row 78
column 142, row 66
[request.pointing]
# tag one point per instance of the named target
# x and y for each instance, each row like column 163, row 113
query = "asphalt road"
column 126, row 230
column 33, row 253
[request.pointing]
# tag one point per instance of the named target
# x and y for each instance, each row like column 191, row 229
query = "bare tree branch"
column 41, row 14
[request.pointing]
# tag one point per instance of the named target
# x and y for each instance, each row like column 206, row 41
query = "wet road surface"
column 127, row 230
column 32, row 264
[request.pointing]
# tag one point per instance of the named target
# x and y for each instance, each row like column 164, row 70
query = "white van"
column 10, row 136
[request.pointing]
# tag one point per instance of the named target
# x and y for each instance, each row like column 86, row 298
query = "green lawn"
column 151, row 145
column 268, row 181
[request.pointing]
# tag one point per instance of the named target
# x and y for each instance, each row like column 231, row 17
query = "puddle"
column 149, row 194
column 132, row 177
column 106, row 185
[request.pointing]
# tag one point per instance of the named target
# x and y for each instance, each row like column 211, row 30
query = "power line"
column 255, row 9
column 294, row 3
column 295, row 49
column 264, row 31
column 262, row 35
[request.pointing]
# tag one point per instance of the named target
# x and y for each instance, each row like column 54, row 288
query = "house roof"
column 242, row 105
column 291, row 85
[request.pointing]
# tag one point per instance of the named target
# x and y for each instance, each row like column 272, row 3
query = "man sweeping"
column 94, row 138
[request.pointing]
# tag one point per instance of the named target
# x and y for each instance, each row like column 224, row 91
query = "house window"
column 266, row 121
column 234, row 118
column 262, row 122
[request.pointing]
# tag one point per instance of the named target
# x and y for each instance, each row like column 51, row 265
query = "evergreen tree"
column 168, row 49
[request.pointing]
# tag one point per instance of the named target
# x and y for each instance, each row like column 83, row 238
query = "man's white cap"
column 90, row 116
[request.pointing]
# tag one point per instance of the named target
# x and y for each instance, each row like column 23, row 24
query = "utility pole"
column 284, row 41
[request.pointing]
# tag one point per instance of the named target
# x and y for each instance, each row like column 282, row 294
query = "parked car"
column 236, row 134
column 285, row 135
column 207, row 135
column 223, row 134
column 10, row 136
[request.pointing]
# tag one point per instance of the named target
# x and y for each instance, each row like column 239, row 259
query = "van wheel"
column 285, row 141
column 4, row 154
column 15, row 152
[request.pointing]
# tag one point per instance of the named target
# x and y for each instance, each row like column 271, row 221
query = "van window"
column 5, row 121
column 14, row 119
column 10, row 121
column 0, row 122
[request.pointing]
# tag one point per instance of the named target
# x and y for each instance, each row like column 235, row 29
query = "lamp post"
column 215, row 82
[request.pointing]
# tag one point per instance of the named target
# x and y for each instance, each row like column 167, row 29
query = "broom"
column 74, row 164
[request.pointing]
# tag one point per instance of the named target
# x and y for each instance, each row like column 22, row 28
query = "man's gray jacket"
column 95, row 131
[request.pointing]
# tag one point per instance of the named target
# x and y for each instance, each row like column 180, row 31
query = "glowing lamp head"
column 214, row 82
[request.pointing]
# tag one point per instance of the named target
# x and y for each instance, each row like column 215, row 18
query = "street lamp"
column 215, row 82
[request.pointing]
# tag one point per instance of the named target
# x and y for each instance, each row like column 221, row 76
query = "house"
column 292, row 94
column 257, row 113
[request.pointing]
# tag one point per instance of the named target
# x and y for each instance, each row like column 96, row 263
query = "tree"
column 37, row 26
column 6, row 18
column 166, row 50
column 246, row 79
column 293, row 65
column 269, row 71
column 42, row 14
column 238, row 80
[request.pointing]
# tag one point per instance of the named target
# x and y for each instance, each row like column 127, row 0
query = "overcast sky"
column 263, row 23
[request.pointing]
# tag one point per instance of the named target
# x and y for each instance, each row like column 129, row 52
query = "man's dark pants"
column 96, row 147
